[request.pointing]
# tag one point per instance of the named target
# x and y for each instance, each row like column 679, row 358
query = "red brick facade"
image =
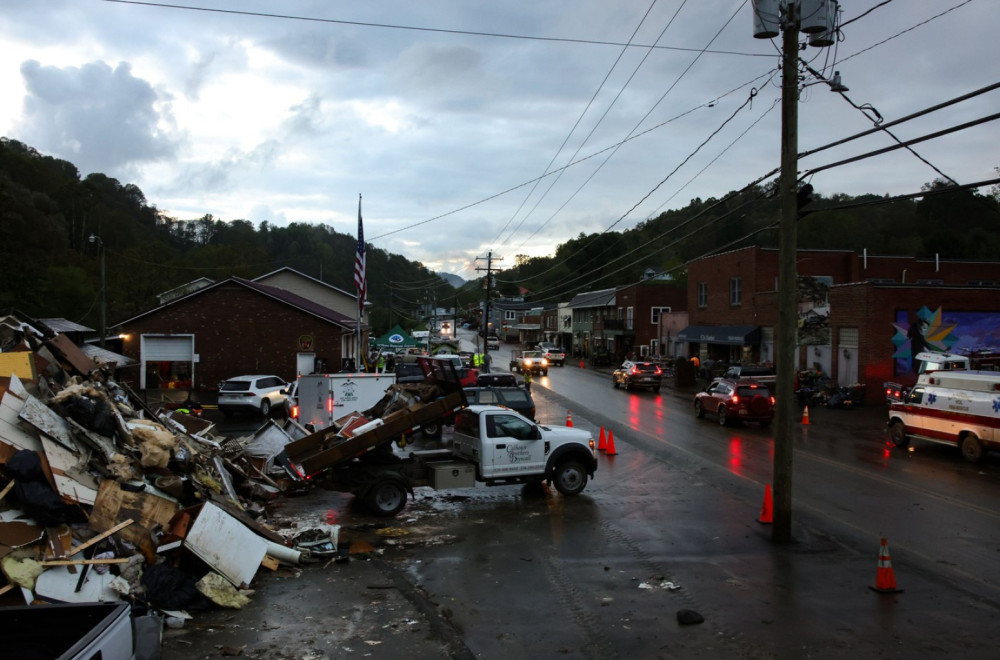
column 238, row 331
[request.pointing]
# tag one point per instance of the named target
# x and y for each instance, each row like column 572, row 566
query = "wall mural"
column 955, row 332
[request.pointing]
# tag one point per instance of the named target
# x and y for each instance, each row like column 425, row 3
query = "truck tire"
column 897, row 433
column 570, row 478
column 386, row 497
column 431, row 430
column 971, row 448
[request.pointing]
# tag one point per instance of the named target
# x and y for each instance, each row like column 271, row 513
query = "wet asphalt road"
column 668, row 524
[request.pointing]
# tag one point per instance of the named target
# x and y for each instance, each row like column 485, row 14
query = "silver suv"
column 251, row 394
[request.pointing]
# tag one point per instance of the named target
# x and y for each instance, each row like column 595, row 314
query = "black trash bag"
column 90, row 413
column 33, row 493
column 170, row 588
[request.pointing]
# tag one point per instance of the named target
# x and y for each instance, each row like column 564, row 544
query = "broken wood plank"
column 100, row 537
column 270, row 563
column 79, row 562
column 6, row 489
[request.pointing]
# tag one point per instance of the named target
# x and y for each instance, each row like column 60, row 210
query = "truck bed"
column 325, row 449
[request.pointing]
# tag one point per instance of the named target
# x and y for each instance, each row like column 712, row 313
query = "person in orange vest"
column 696, row 362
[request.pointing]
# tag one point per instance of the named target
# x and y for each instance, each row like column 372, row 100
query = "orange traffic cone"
column 581, row 364
column 610, row 451
column 885, row 578
column 569, row 418
column 767, row 510
column 805, row 416
column 602, row 442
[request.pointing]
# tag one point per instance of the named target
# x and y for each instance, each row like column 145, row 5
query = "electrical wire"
column 413, row 28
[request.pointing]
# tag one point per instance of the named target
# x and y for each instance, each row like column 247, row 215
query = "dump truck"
column 492, row 445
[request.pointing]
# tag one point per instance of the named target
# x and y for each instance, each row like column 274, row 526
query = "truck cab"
column 509, row 448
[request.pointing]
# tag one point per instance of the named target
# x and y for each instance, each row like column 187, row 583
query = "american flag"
column 360, row 280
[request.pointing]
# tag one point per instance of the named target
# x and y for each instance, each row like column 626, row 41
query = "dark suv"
column 730, row 400
column 637, row 374
column 515, row 398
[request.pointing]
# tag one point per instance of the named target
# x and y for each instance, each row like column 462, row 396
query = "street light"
column 94, row 238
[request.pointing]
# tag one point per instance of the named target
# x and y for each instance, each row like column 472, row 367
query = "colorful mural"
column 956, row 332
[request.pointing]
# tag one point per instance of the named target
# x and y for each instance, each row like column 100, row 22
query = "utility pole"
column 787, row 279
column 489, row 295
column 788, row 15
column 94, row 238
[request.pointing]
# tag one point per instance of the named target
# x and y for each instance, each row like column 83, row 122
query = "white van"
column 960, row 408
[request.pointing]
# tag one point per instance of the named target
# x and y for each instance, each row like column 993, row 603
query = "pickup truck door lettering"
column 510, row 453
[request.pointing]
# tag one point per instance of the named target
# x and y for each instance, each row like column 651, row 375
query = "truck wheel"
column 432, row 430
column 570, row 478
column 265, row 407
column 897, row 432
column 971, row 448
column 386, row 497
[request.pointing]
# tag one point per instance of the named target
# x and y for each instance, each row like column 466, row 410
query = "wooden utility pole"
column 489, row 296
column 787, row 339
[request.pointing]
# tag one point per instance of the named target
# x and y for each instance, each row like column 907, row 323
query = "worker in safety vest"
column 477, row 360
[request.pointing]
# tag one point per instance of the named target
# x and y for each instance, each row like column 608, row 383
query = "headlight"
column 544, row 362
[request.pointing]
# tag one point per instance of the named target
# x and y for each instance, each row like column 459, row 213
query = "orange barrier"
column 569, row 418
column 611, row 445
column 885, row 578
column 602, row 442
column 767, row 510
column 805, row 416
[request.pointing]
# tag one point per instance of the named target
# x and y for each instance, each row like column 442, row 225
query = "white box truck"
column 324, row 398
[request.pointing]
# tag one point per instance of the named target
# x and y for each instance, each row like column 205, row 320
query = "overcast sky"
column 443, row 114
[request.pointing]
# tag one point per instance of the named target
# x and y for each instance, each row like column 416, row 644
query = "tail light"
column 295, row 411
column 329, row 405
column 659, row 372
column 736, row 398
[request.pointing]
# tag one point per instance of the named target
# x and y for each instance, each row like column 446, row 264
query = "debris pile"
column 103, row 498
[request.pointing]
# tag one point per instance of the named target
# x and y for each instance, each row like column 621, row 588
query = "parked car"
column 749, row 401
column 517, row 399
column 637, row 374
column 248, row 394
column 409, row 372
column 291, row 401
column 467, row 376
column 553, row 353
column 492, row 343
column 497, row 380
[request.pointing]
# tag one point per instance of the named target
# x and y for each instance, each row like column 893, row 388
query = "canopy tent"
column 397, row 338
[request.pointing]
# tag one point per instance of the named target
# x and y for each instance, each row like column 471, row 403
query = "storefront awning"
column 733, row 335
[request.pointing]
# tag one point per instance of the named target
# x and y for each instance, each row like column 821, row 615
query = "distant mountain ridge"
column 451, row 279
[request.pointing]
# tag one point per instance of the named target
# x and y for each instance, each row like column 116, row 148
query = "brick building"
column 235, row 327
column 860, row 317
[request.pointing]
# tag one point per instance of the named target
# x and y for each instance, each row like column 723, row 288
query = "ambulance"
column 960, row 408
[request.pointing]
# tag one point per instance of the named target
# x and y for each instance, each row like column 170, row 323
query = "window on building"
column 735, row 290
column 654, row 314
column 702, row 294
column 629, row 317
column 509, row 315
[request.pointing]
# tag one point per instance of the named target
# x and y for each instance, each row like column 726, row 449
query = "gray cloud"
column 99, row 118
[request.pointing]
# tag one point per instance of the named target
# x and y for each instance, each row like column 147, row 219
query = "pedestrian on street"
column 527, row 381
column 487, row 361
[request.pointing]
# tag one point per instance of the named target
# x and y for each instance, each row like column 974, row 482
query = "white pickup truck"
column 491, row 445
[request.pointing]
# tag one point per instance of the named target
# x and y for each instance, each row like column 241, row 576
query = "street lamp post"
column 94, row 238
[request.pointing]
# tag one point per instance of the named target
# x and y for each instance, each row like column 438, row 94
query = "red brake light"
column 658, row 371
column 295, row 412
column 736, row 398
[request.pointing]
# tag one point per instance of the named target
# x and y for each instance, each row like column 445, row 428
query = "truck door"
column 511, row 447
column 917, row 420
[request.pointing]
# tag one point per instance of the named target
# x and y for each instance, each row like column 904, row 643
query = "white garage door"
column 160, row 348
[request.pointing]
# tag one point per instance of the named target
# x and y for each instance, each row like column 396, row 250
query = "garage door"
column 160, row 348
column 168, row 349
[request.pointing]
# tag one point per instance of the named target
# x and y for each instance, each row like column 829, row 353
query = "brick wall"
column 238, row 331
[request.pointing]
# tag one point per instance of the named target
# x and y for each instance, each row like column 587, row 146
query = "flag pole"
column 360, row 280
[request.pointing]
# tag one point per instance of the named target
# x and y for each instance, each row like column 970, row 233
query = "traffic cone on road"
column 602, row 442
column 581, row 364
column 767, row 510
column 610, row 451
column 805, row 416
column 885, row 578
column 569, row 418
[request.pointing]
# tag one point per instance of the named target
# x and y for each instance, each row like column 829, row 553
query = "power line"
column 413, row 28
